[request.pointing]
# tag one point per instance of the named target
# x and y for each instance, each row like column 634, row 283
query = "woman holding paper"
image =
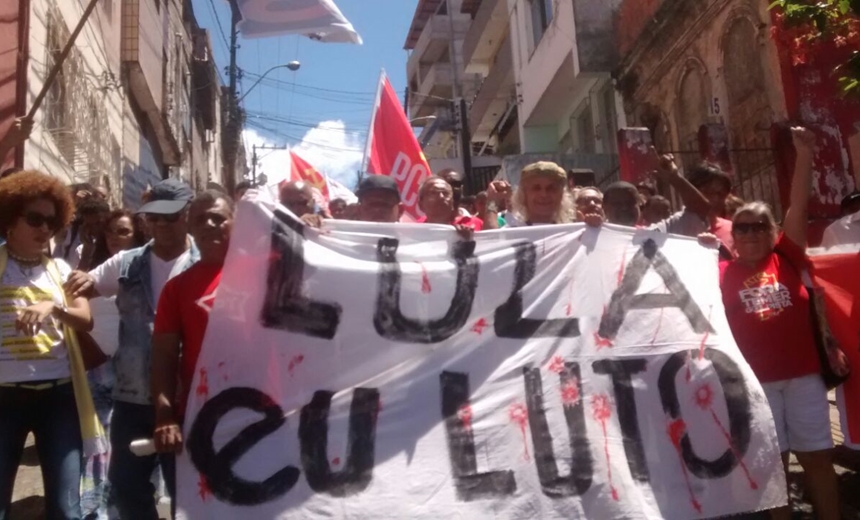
column 43, row 385
column 768, row 308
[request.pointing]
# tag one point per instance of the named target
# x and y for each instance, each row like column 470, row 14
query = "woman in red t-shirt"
column 767, row 307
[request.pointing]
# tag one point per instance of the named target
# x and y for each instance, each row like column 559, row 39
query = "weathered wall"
column 10, row 76
column 704, row 62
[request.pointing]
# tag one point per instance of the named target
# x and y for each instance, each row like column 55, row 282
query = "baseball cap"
column 377, row 183
column 167, row 197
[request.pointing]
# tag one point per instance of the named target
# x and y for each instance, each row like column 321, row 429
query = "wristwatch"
column 59, row 310
column 492, row 207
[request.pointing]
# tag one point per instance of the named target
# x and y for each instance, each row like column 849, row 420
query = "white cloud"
column 329, row 146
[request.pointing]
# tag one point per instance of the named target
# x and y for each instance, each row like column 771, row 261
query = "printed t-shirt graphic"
column 767, row 307
column 24, row 357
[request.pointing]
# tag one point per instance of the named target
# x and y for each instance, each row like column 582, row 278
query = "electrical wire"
column 276, row 133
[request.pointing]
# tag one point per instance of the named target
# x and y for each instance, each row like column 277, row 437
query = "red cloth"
column 183, row 309
column 767, row 307
column 837, row 274
column 472, row 222
column 722, row 228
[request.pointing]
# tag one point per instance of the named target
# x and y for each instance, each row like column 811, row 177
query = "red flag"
column 303, row 171
column 836, row 271
column 393, row 149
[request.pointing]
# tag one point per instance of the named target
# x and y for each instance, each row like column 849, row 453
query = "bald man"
column 298, row 197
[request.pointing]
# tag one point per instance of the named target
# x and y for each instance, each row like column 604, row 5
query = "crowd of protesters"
column 104, row 310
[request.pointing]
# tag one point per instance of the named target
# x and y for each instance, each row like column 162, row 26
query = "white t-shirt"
column 844, row 231
column 105, row 324
column 106, row 276
column 24, row 357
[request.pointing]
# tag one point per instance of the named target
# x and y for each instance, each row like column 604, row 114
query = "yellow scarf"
column 91, row 429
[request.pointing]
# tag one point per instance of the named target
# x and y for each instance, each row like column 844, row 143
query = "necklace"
column 31, row 262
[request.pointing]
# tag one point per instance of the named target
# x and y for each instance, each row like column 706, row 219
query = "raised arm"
column 692, row 198
column 797, row 217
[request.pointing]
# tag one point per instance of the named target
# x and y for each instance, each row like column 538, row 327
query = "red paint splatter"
column 203, row 488
column 426, row 288
column 704, row 397
column 336, row 461
column 602, row 411
column 520, row 416
column 601, row 342
column 752, row 483
column 570, row 392
column 479, row 326
column 556, row 365
column 203, row 385
column 676, row 430
column 295, row 361
column 622, row 266
column 657, row 330
column 465, row 415
column 568, row 310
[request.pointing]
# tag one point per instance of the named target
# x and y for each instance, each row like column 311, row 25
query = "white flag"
column 337, row 190
column 317, row 19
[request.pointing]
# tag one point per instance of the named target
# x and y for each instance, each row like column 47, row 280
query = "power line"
column 301, row 139
column 218, row 23
column 292, row 122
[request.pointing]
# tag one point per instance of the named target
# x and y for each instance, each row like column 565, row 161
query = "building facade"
column 436, row 75
column 712, row 80
column 135, row 101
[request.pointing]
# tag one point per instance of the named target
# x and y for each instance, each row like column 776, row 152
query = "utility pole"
column 459, row 109
column 233, row 128
column 254, row 159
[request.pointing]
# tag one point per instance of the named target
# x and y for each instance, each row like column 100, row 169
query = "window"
column 541, row 13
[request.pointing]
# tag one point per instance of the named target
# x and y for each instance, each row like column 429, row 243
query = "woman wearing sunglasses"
column 768, row 308
column 43, row 385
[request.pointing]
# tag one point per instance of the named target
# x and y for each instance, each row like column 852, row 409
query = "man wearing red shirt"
column 182, row 316
column 436, row 200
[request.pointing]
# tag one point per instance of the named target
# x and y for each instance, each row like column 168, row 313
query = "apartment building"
column 436, row 75
column 136, row 100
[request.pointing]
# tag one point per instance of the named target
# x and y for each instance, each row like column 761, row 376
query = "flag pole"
column 369, row 143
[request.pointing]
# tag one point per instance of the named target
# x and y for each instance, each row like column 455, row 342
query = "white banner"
column 317, row 19
column 393, row 371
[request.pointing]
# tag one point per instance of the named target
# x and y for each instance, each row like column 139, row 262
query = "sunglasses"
column 36, row 220
column 745, row 228
column 170, row 219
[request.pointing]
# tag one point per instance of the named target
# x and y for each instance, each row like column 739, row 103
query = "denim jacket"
column 132, row 360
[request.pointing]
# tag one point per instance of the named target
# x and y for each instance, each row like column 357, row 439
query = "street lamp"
column 423, row 118
column 293, row 66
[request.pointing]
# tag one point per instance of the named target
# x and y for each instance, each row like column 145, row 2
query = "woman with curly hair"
column 43, row 384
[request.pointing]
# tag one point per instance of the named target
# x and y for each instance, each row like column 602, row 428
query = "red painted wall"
column 13, row 61
column 813, row 98
column 630, row 21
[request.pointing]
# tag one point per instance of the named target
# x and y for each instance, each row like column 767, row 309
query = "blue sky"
column 325, row 116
